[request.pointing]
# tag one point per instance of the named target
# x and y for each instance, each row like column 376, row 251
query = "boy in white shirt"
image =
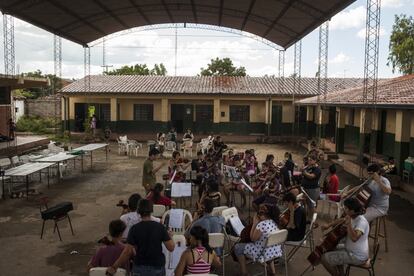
column 132, row 217
column 356, row 249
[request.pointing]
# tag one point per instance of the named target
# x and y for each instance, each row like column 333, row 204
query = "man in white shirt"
column 356, row 249
column 132, row 217
column 381, row 190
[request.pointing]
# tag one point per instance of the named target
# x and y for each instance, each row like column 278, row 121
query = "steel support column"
column 9, row 56
column 372, row 32
column 87, row 72
column 297, row 63
column 56, row 82
column 281, row 72
column 322, row 75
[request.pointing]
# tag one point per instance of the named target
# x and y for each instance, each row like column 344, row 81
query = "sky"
column 196, row 47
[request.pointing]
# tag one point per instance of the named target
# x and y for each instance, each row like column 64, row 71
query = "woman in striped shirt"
column 199, row 257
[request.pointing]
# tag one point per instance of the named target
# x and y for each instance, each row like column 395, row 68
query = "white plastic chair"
column 15, row 161
column 296, row 245
column 133, row 147
column 217, row 210
column 122, row 144
column 25, row 159
column 216, row 240
column 227, row 214
column 158, row 210
column 275, row 238
column 187, row 147
column 101, row 271
column 186, row 216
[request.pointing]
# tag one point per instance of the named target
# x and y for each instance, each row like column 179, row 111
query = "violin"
column 284, row 219
column 182, row 160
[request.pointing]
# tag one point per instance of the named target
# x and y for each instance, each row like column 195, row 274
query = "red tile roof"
column 203, row 85
column 392, row 92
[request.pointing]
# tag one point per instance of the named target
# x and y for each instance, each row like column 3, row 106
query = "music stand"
column 250, row 189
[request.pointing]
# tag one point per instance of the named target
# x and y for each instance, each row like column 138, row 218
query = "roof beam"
column 141, row 13
column 221, row 12
column 194, row 11
column 111, row 14
column 278, row 17
column 246, row 18
column 167, row 10
column 73, row 14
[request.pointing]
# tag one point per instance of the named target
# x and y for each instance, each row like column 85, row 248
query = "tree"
column 139, row 69
column 401, row 55
column 222, row 67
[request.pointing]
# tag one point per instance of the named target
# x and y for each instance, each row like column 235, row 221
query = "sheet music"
column 173, row 176
column 246, row 185
column 232, row 172
column 237, row 225
column 176, row 218
column 181, row 189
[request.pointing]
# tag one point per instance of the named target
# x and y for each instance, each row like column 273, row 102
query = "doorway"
column 182, row 117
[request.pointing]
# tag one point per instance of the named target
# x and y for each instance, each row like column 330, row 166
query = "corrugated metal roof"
column 397, row 91
column 83, row 21
column 203, row 85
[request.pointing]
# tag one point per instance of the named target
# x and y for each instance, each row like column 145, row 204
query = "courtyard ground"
column 95, row 193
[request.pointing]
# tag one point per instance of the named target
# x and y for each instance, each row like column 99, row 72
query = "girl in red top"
column 333, row 184
column 157, row 196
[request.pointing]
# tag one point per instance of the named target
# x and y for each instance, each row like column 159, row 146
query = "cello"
column 363, row 194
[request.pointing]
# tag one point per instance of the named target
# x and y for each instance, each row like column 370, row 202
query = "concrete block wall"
column 44, row 107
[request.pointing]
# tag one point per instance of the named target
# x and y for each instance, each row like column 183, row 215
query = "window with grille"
column 143, row 112
column 204, row 113
column 105, row 112
column 239, row 113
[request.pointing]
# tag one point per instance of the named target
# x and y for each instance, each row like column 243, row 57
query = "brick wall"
column 4, row 118
column 44, row 107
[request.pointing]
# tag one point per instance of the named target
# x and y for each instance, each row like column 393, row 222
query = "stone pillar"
column 340, row 130
column 310, row 124
column 114, row 113
column 164, row 110
column 217, row 113
column 364, row 131
column 402, row 138
column 375, row 132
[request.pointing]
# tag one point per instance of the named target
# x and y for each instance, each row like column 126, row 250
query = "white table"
column 27, row 169
column 57, row 159
column 91, row 148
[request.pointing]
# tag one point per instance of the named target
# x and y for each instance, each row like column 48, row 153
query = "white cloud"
column 353, row 18
column 340, row 58
column 361, row 33
column 392, row 3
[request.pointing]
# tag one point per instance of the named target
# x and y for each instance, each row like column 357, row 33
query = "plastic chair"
column 158, row 210
column 216, row 240
column 15, row 161
column 368, row 265
column 302, row 243
column 217, row 210
column 122, row 144
column 133, row 147
column 227, row 214
column 275, row 238
column 5, row 163
column 187, row 147
column 101, row 271
column 186, row 215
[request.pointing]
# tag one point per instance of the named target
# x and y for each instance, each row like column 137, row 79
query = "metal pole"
column 297, row 62
column 371, row 60
column 322, row 73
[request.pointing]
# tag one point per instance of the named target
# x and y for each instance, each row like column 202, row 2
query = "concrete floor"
column 95, row 194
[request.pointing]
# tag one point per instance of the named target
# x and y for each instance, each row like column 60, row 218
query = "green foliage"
column 37, row 125
column 34, row 93
column 222, row 67
column 401, row 55
column 139, row 69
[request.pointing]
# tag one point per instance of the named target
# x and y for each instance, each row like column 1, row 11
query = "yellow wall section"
column 287, row 113
column 390, row 125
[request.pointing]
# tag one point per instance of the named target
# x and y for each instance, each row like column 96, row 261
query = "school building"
column 230, row 105
column 351, row 124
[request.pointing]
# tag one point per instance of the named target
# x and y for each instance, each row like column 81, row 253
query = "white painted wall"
column 19, row 109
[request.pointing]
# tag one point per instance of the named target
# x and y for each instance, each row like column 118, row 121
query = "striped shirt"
column 199, row 266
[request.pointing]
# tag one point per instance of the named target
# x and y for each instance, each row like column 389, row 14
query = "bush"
column 37, row 125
